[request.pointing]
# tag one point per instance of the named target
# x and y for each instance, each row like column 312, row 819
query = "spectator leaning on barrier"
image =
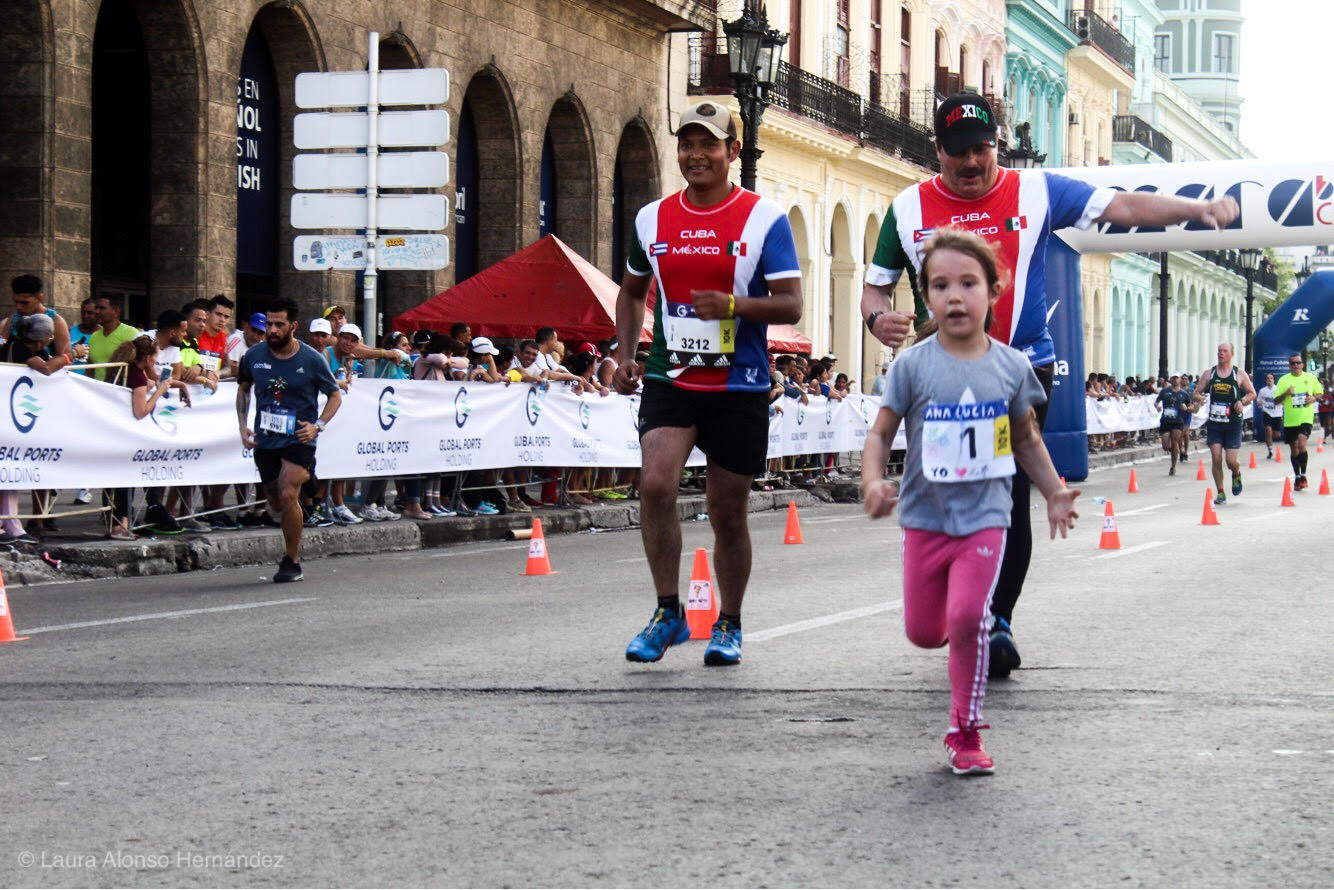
column 192, row 363
column 320, row 334
column 527, row 363
column 252, row 331
column 546, row 340
column 213, row 339
column 337, row 317
column 110, row 334
column 140, row 354
column 400, row 367
column 168, row 336
column 31, row 345
column 29, row 299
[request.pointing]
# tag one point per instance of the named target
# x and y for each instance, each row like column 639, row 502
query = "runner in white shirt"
column 1272, row 412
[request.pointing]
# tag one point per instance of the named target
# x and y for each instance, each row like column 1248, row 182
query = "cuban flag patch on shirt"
column 920, row 235
column 658, row 248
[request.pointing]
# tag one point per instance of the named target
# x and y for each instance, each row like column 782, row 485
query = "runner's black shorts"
column 1274, row 423
column 1290, row 433
column 731, row 428
column 1227, row 434
column 270, row 460
column 1172, row 427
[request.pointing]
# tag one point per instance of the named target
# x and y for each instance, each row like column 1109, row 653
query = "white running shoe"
column 371, row 513
column 83, row 497
column 388, row 515
column 346, row 516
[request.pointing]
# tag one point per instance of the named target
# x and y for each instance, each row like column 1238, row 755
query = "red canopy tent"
column 546, row 283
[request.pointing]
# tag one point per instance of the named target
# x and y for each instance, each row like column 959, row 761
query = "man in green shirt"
column 111, row 332
column 1297, row 392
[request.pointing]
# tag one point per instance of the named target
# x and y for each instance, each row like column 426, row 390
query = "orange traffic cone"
column 1200, row 477
column 1062, row 482
column 793, row 533
column 1210, row 517
column 1111, row 538
column 1253, row 465
column 1320, row 447
column 701, row 604
column 1287, row 493
column 6, row 620
column 1134, row 486
column 1278, row 454
column 1324, row 482
column 538, row 561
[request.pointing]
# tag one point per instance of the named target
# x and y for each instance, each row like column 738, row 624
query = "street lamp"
column 1024, row 156
column 754, row 52
column 1250, row 261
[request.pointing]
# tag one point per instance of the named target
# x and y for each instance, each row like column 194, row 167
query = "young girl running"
column 967, row 402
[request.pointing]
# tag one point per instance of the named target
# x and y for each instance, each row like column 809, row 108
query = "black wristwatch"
column 870, row 321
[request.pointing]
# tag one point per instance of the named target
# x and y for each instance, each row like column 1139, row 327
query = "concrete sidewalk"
column 85, row 552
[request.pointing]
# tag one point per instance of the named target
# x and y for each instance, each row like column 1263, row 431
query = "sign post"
column 368, row 171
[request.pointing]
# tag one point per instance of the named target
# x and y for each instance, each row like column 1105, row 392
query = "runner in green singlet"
column 1229, row 391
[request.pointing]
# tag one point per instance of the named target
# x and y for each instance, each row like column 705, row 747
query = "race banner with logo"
column 67, row 431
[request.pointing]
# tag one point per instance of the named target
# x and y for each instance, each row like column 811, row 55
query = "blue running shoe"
column 725, row 644
column 1004, row 655
column 486, row 508
column 1236, row 484
column 664, row 630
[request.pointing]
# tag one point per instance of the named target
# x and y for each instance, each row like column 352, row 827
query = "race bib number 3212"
column 966, row 442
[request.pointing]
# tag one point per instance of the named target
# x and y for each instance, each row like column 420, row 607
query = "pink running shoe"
column 965, row 752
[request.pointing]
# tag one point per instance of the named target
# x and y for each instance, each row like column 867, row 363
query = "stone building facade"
column 132, row 126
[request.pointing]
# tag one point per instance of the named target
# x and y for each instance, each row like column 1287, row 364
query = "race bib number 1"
column 967, row 442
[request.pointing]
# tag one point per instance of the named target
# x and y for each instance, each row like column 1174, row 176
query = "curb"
column 167, row 556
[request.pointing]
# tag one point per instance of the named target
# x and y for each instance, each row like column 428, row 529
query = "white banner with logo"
column 1126, row 415
column 67, row 431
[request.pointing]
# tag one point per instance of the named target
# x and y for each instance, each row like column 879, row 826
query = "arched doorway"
column 843, row 299
column 634, row 183
column 488, row 169
column 802, row 238
column 25, row 215
column 568, row 180
column 873, row 352
column 146, row 231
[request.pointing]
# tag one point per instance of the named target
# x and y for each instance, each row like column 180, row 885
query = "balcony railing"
column 1265, row 276
column 895, row 131
column 1092, row 28
column 1129, row 128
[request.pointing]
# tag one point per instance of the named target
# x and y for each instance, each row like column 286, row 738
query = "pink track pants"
column 947, row 587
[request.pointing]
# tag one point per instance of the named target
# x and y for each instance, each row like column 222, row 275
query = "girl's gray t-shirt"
column 959, row 398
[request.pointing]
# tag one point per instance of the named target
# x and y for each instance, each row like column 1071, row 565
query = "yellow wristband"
column 731, row 305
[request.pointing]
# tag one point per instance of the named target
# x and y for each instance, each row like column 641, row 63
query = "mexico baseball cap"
column 711, row 116
column 964, row 120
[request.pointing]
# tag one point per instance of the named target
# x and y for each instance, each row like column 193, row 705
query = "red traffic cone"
column 1278, row 454
column 1324, row 482
column 1287, row 493
column 6, row 620
column 792, row 535
column 1253, row 465
column 1210, row 517
column 1133, row 488
column 1200, row 477
column 539, row 563
column 702, row 602
column 1062, row 482
column 1111, row 538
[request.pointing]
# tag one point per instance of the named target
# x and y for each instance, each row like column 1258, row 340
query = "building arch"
column 27, row 57
column 634, row 184
column 796, row 218
column 873, row 352
column 488, row 172
column 148, row 166
column 569, row 179
column 843, row 315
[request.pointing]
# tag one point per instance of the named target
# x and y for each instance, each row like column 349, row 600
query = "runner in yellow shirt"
column 1297, row 392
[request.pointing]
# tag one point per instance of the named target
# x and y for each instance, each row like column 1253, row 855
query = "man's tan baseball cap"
column 711, row 116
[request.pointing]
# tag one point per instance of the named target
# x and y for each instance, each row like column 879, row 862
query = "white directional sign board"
column 352, row 129
column 423, row 213
column 344, row 170
column 315, row 253
column 352, row 89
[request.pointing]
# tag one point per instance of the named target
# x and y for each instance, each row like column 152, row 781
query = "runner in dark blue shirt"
column 287, row 377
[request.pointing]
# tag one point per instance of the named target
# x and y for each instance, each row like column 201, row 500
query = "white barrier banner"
column 1125, row 415
column 68, row 431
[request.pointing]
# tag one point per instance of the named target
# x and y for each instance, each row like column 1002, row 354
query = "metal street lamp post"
column 754, row 51
column 1250, row 261
column 1023, row 156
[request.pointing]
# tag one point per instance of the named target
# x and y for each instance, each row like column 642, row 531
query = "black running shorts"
column 731, row 428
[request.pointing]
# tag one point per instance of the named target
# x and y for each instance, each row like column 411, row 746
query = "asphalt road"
column 435, row 718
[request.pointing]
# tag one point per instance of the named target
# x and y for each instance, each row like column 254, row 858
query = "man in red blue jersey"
column 1016, row 210
column 726, row 267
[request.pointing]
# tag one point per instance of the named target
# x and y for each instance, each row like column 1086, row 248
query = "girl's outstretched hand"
column 880, row 498
column 1061, row 511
